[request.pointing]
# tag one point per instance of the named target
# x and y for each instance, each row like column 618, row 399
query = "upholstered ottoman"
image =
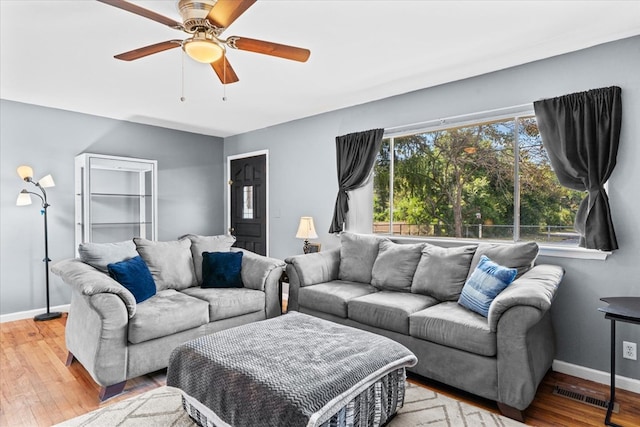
column 293, row 370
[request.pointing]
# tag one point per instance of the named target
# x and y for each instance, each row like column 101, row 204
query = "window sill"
column 555, row 251
column 573, row 252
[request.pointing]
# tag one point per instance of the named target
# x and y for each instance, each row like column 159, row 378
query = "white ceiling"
column 60, row 54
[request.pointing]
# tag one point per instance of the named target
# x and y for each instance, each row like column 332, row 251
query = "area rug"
column 163, row 407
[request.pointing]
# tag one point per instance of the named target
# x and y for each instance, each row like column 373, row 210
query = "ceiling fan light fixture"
column 203, row 49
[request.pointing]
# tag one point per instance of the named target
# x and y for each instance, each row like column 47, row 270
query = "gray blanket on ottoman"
column 292, row 370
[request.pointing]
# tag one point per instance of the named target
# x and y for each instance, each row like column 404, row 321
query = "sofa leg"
column 69, row 361
column 111, row 390
column 511, row 412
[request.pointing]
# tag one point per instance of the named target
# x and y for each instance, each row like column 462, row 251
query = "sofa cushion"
column 332, row 297
column 99, row 255
column 395, row 265
column 450, row 324
column 441, row 272
column 358, row 252
column 225, row 303
column 513, row 255
column 167, row 313
column 170, row 263
column 200, row 244
column 221, row 269
column 485, row 283
column 388, row 310
column 134, row 275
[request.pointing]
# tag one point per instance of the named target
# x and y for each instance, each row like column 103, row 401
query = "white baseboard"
column 21, row 315
column 624, row 383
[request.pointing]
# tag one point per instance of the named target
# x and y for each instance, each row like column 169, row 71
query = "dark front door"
column 248, row 188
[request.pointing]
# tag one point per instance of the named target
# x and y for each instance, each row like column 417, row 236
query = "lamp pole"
column 45, row 205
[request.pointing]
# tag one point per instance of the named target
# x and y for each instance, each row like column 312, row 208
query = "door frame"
column 226, row 189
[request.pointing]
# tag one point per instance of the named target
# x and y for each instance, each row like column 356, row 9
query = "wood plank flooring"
column 37, row 389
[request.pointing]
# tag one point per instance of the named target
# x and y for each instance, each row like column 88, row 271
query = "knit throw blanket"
column 292, row 370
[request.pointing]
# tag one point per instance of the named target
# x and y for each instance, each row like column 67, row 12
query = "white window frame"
column 520, row 111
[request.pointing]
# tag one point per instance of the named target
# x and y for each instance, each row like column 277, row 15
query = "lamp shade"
column 47, row 181
column 306, row 229
column 24, row 198
column 25, row 172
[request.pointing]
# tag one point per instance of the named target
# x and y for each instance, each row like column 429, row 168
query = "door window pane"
column 247, row 202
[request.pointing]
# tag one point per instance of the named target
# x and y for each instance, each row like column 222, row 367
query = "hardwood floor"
column 37, row 389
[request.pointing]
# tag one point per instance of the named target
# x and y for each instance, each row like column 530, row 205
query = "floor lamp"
column 24, row 198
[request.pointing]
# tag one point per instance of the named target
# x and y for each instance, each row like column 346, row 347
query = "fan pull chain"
column 182, row 97
column 224, row 77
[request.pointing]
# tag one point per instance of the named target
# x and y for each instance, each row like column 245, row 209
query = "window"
column 488, row 179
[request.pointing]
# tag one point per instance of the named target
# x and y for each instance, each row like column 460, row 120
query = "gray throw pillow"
column 395, row 266
column 170, row 263
column 200, row 244
column 511, row 255
column 358, row 252
column 442, row 272
column 99, row 255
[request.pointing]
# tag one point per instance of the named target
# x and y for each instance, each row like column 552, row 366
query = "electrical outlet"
column 629, row 350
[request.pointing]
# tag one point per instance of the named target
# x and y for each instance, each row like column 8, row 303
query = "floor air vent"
column 584, row 395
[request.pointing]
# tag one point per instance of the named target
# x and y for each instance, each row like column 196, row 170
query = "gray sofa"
column 409, row 292
column 117, row 339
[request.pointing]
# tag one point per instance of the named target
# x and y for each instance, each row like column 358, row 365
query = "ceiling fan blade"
column 133, row 8
column 224, row 71
column 148, row 50
column 224, row 12
column 269, row 48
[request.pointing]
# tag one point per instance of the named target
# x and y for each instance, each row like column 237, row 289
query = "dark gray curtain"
column 355, row 154
column 581, row 133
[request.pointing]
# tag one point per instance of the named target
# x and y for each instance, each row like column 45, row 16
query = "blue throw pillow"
column 221, row 269
column 486, row 282
column 134, row 275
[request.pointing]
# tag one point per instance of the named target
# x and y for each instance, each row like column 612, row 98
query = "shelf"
column 119, row 195
column 116, row 198
column 114, row 224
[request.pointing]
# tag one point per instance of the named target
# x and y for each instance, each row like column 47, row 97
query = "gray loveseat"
column 117, row 339
column 409, row 292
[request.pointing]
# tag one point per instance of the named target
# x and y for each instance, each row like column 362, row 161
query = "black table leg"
column 612, row 394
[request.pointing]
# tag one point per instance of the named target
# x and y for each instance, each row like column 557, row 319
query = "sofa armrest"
column 309, row 269
column 89, row 281
column 521, row 317
column 536, row 288
column 263, row 274
column 257, row 268
column 319, row 267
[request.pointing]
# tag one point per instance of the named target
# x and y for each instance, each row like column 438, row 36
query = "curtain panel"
column 581, row 133
column 355, row 155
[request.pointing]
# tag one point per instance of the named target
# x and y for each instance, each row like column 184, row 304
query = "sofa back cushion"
column 441, row 272
column 395, row 265
column 200, row 244
column 170, row 263
column 358, row 252
column 515, row 255
column 99, row 255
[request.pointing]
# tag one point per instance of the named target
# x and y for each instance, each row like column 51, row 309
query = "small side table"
column 620, row 309
column 283, row 279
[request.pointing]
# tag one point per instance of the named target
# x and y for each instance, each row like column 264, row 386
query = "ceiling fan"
column 205, row 21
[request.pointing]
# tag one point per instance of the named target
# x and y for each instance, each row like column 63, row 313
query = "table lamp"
column 306, row 231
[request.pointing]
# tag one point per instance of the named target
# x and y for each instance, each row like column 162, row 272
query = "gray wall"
column 190, row 170
column 303, row 177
